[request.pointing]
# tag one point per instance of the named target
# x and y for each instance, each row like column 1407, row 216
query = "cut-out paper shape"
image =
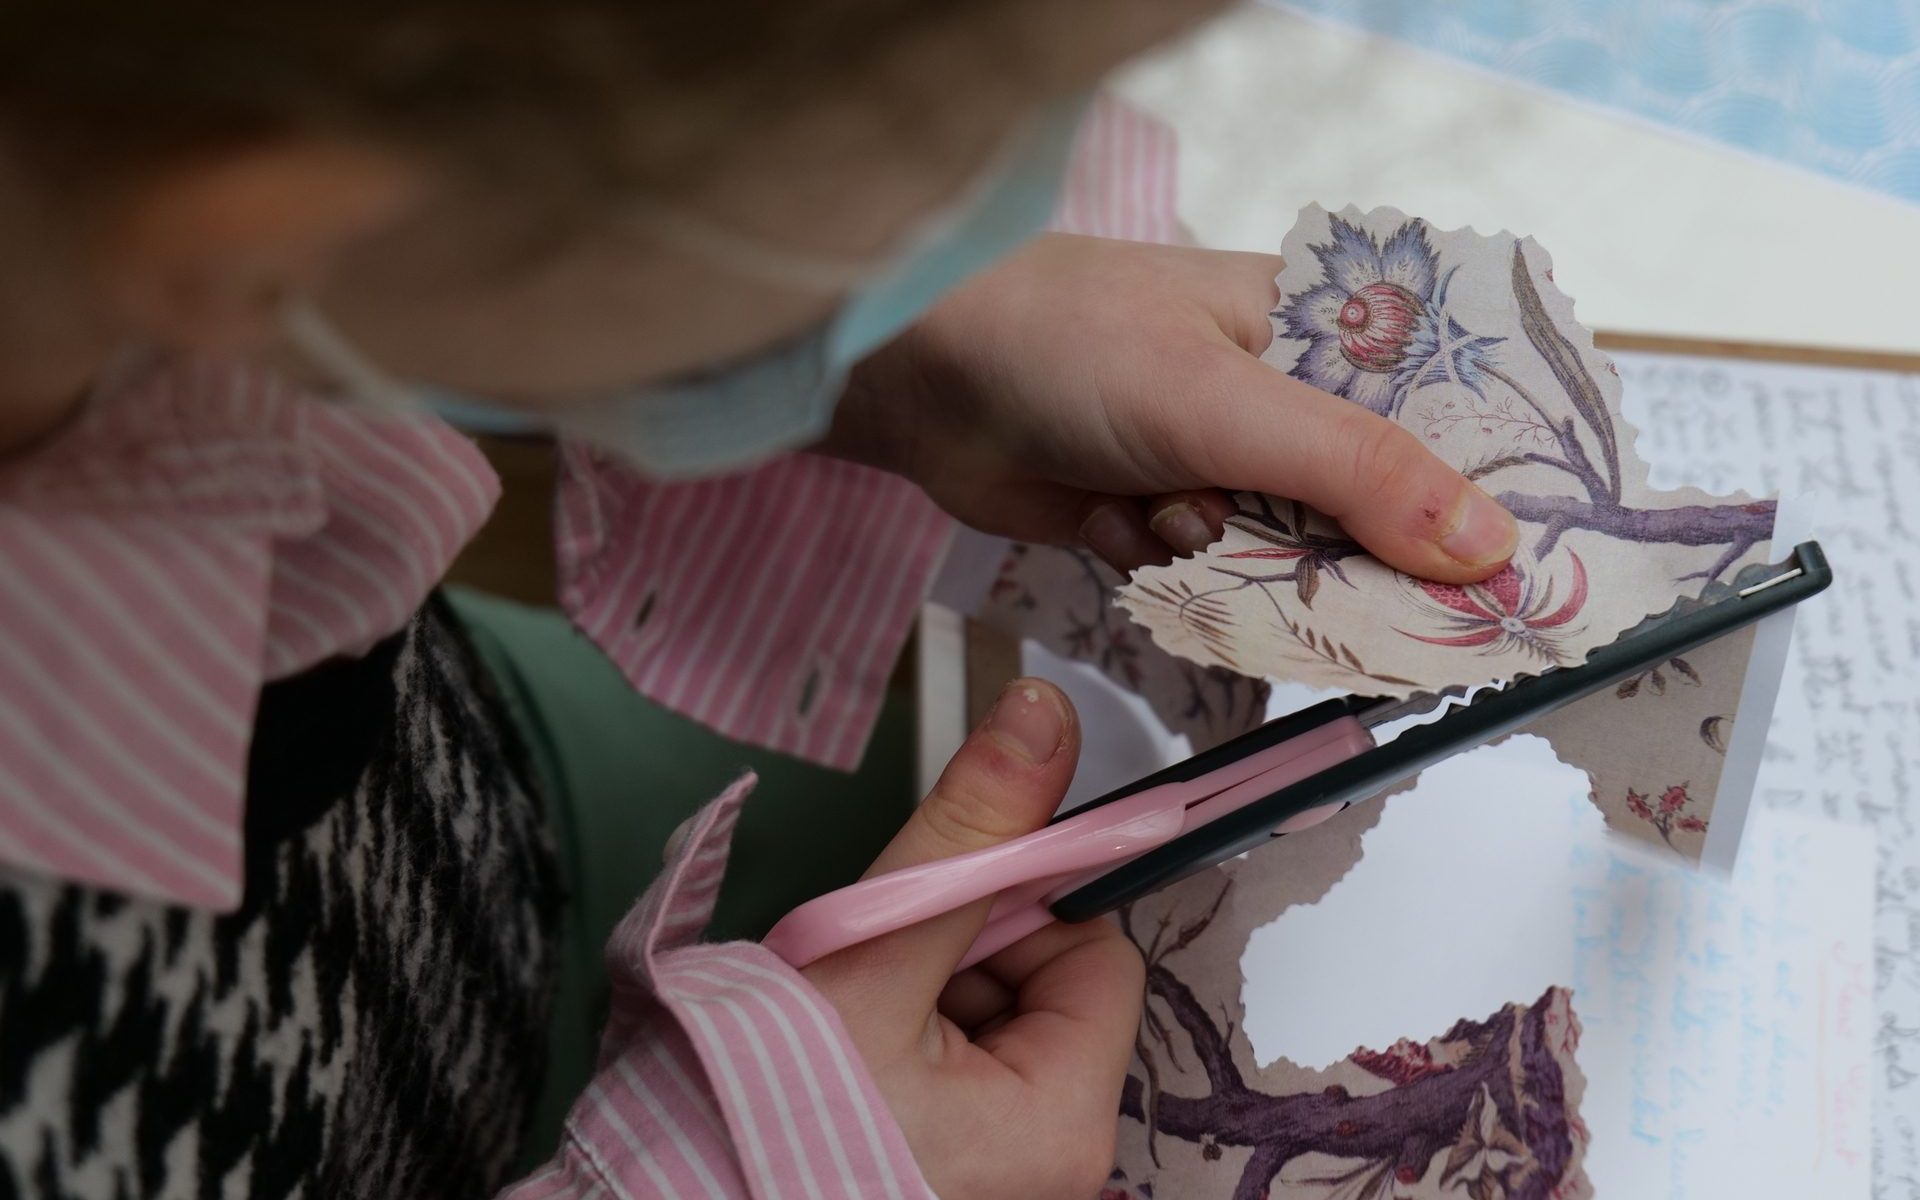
column 1488, row 1104
column 1465, row 341
column 1656, row 745
column 1488, row 1109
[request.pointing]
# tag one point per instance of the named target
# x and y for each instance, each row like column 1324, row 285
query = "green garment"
column 621, row 773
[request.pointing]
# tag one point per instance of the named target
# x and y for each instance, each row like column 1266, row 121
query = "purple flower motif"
column 1377, row 325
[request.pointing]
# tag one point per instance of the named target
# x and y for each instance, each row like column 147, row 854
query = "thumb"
column 1387, row 490
column 1006, row 780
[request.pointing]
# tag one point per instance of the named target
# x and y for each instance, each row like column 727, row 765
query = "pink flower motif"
column 1512, row 610
column 1401, row 1063
column 1671, row 815
column 1376, row 325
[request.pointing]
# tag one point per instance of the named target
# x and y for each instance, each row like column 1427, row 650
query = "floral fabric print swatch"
column 1465, row 340
column 1489, row 1108
column 1062, row 597
column 1656, row 745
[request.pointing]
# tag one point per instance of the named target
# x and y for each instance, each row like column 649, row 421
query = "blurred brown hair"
column 577, row 97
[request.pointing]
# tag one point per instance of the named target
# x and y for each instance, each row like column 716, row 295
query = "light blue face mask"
column 782, row 398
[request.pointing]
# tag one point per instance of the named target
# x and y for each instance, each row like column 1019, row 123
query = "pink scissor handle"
column 1023, row 910
column 867, row 909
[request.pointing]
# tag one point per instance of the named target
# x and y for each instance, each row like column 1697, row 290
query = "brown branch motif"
column 1481, row 1112
column 1739, row 527
column 1490, row 416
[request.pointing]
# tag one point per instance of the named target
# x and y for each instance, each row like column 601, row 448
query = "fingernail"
column 1029, row 720
column 1482, row 534
column 1182, row 527
column 1108, row 533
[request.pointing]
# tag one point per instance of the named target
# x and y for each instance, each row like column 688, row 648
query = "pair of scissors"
column 1288, row 774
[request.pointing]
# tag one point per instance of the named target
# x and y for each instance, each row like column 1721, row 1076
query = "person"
column 279, row 888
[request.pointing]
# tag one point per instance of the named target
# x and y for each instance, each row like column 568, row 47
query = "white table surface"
column 1651, row 231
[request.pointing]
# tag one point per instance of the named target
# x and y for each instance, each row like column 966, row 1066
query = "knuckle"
column 967, row 813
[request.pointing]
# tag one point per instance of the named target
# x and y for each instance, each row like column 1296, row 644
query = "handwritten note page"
column 1845, row 740
column 1727, row 1026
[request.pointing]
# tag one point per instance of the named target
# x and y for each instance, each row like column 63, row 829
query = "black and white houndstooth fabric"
column 371, row 1022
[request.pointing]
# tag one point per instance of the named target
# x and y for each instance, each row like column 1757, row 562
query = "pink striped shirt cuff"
column 198, row 532
column 723, row 1073
column 769, row 605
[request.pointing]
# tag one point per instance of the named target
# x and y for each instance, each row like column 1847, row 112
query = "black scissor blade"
column 1487, row 714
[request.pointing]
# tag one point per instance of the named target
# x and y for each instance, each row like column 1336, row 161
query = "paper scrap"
column 1464, row 340
column 1842, row 745
column 1487, row 1109
column 1063, row 599
column 1487, row 1104
column 1727, row 1024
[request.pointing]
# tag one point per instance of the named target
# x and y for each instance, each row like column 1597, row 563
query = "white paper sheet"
column 1728, row 1026
column 1658, row 232
column 1843, row 740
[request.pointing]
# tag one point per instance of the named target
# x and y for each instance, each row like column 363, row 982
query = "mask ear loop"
column 365, row 383
column 751, row 258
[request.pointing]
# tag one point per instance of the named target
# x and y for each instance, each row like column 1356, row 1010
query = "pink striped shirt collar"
column 197, row 532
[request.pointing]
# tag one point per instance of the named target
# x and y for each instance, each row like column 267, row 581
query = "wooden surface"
column 1820, row 356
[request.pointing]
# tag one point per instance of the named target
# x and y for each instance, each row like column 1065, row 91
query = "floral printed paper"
column 1655, row 745
column 1062, row 597
column 1464, row 340
column 1489, row 1108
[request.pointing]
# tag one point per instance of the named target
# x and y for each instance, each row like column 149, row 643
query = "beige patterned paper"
column 1487, row 1108
column 1654, row 747
column 1465, row 340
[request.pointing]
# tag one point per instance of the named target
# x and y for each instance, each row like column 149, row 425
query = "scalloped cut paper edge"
column 1260, row 652
column 1210, row 916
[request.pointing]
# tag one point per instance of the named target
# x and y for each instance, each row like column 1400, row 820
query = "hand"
column 1005, row 1078
column 1107, row 391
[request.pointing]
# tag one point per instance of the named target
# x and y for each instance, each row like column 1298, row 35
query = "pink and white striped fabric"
column 189, row 538
column 207, row 529
column 723, row 1073
column 642, row 565
column 645, row 567
column 1123, row 179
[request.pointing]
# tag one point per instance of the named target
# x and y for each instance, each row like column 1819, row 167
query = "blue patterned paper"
column 1833, row 85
